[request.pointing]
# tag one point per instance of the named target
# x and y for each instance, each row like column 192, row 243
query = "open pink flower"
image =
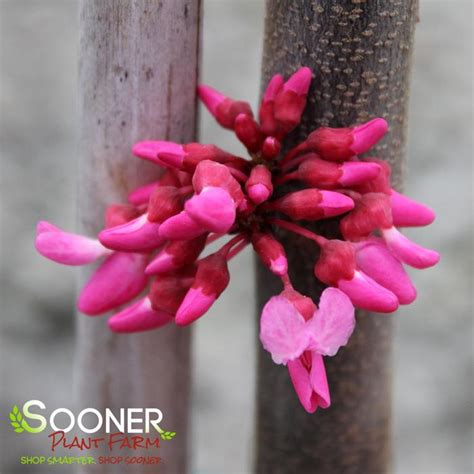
column 291, row 339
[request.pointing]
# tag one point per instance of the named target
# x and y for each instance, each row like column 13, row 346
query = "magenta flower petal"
column 213, row 208
column 139, row 316
column 409, row 213
column 367, row 294
column 334, row 203
column 407, row 251
column 332, row 324
column 181, row 227
column 311, row 383
column 194, row 305
column 134, row 236
column 119, row 278
column 356, row 172
column 299, row 82
column 148, row 150
column 283, row 330
column 365, row 136
column 211, row 98
column 319, row 381
column 67, row 248
column 375, row 260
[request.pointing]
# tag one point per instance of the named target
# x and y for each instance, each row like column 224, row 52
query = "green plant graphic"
column 16, row 420
column 166, row 435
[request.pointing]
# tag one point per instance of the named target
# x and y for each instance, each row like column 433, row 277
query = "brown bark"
column 138, row 76
column 360, row 53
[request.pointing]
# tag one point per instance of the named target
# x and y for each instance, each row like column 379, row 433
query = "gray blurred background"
column 433, row 425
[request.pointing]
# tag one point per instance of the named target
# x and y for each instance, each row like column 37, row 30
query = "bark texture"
column 137, row 79
column 360, row 52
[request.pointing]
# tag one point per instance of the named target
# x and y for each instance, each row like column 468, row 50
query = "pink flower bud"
column 165, row 201
column 375, row 260
column 372, row 211
column 180, row 227
column 168, row 290
column 271, row 148
column 407, row 213
column 336, row 266
column 248, row 132
column 224, row 109
column 142, row 194
column 211, row 174
column 67, row 248
column 407, row 251
column 312, row 204
column 212, row 278
column 366, row 293
column 148, row 150
column 213, row 209
column 176, row 254
column 259, row 186
column 271, row 252
column 266, row 113
column 291, row 100
column 380, row 183
column 319, row 173
column 119, row 279
column 338, row 144
column 138, row 235
column 138, row 317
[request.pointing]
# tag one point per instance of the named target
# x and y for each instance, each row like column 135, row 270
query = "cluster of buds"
column 154, row 247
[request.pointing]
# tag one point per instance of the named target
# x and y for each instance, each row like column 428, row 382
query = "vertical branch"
column 138, row 76
column 360, row 53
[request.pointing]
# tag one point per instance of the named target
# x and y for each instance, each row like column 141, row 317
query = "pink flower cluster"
column 155, row 242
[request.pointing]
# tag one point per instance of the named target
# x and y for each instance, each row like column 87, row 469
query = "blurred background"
column 433, row 425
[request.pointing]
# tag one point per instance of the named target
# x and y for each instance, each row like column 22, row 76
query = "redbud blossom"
column 153, row 255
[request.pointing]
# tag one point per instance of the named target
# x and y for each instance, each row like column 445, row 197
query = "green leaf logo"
column 16, row 420
column 167, row 435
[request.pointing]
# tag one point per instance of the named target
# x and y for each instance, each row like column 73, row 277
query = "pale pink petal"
column 138, row 317
column 194, row 305
column 136, row 235
column 365, row 136
column 366, row 293
column 67, row 248
column 283, row 330
column 213, row 208
column 407, row 251
column 119, row 278
column 332, row 324
column 181, row 227
column 375, row 260
column 407, row 213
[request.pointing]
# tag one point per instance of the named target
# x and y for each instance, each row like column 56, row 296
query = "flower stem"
column 295, row 228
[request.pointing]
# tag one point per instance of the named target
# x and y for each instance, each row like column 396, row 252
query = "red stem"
column 237, row 249
column 295, row 228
